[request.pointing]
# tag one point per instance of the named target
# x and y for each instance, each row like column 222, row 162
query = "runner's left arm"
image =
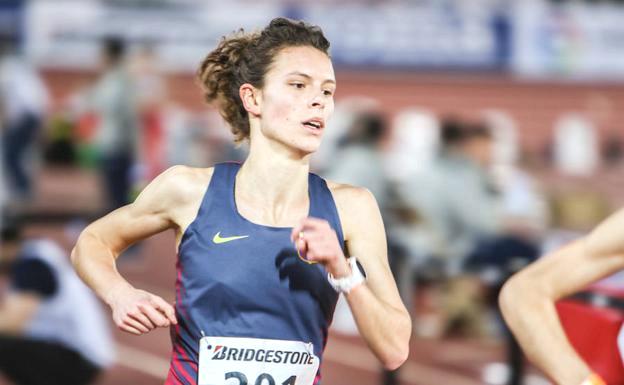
column 381, row 317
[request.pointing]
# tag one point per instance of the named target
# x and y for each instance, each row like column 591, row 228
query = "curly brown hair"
column 245, row 58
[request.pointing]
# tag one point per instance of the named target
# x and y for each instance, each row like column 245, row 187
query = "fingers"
column 316, row 241
column 301, row 244
column 318, row 252
column 150, row 317
column 145, row 314
column 313, row 232
column 130, row 329
column 133, row 323
column 165, row 308
column 142, row 321
column 157, row 318
column 306, row 225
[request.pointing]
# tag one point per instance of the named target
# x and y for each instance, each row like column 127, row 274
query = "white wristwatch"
column 345, row 284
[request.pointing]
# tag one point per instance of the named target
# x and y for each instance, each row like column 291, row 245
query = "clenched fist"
column 137, row 311
column 316, row 241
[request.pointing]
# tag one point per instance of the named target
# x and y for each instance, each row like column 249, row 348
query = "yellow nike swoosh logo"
column 219, row 239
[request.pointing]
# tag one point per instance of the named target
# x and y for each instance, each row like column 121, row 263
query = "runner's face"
column 298, row 98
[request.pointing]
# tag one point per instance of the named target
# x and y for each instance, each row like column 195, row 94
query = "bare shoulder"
column 175, row 189
column 186, row 183
column 357, row 207
column 349, row 197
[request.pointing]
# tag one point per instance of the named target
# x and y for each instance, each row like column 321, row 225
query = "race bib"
column 256, row 361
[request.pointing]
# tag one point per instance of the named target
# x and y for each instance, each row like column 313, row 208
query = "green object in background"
column 60, row 128
column 58, row 146
column 87, row 156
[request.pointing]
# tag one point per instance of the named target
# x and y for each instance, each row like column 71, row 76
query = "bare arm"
column 382, row 319
column 528, row 298
column 167, row 202
column 380, row 315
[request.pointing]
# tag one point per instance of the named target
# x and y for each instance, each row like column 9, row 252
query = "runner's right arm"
column 169, row 201
column 528, row 298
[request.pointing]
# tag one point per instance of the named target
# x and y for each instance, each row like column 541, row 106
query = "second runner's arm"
column 528, row 298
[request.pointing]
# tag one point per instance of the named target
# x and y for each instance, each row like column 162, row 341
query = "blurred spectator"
column 152, row 103
column 455, row 196
column 462, row 226
column 113, row 100
column 523, row 216
column 358, row 160
column 23, row 105
column 524, row 207
column 52, row 329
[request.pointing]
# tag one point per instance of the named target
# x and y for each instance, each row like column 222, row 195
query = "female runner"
column 262, row 246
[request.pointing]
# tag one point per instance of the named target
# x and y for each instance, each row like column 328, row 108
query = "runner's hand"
column 318, row 242
column 138, row 312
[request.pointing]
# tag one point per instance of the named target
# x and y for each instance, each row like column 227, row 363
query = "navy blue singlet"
column 247, row 287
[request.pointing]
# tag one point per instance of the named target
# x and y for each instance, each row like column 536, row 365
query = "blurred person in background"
column 462, row 208
column 52, row 328
column 113, row 101
column 358, row 162
column 528, row 299
column 456, row 197
column 524, row 217
column 23, row 106
column 358, row 159
column 263, row 245
column 152, row 103
column 473, row 226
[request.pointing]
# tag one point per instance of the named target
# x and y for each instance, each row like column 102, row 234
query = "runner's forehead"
column 303, row 61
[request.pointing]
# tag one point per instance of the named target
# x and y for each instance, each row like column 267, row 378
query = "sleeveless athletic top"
column 236, row 278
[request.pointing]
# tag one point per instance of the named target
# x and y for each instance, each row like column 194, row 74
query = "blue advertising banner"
column 12, row 20
column 425, row 34
column 421, row 34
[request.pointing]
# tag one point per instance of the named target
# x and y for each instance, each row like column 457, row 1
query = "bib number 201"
column 263, row 379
